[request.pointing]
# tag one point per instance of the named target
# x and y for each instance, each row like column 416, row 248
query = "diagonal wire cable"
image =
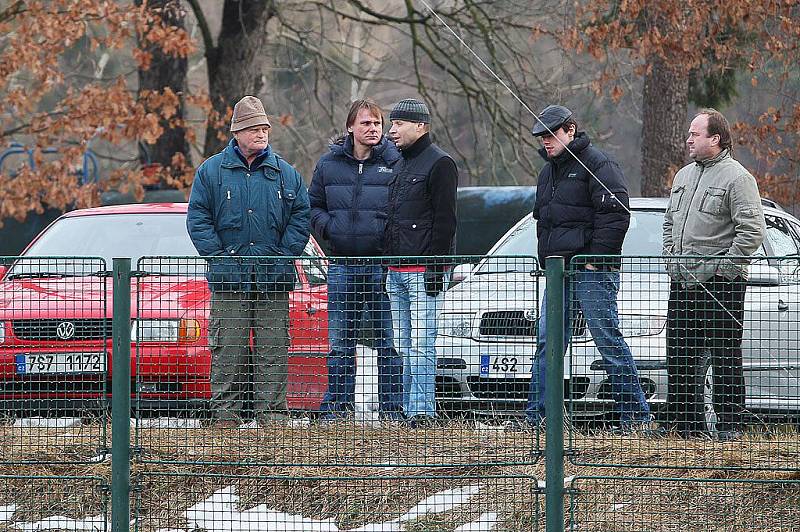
column 527, row 108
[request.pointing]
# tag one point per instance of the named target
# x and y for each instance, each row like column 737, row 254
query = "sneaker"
column 225, row 423
column 523, row 425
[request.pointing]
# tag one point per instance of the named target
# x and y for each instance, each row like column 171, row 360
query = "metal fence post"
column 554, row 395
column 121, row 398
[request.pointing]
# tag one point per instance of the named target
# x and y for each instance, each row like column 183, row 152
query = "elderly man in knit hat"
column 420, row 232
column 248, row 208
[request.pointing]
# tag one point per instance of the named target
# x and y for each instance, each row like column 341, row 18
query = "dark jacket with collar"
column 236, row 212
column 422, row 202
column 349, row 198
column 576, row 214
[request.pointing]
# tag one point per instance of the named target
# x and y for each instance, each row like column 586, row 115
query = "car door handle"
column 782, row 305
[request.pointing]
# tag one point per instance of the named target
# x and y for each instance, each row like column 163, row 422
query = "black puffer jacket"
column 349, row 198
column 576, row 214
column 422, row 202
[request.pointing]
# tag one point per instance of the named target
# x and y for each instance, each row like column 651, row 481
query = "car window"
column 108, row 236
column 783, row 243
column 644, row 238
column 315, row 266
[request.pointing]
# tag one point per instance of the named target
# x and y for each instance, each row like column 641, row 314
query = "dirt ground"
column 355, row 475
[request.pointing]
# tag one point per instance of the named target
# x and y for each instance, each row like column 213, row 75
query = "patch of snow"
column 47, row 423
column 214, row 512
column 366, row 396
column 167, row 423
column 89, row 524
column 441, row 502
column 7, row 512
column 485, row 523
column 391, row 526
column 542, row 484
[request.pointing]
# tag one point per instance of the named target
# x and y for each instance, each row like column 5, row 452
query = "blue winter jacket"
column 236, row 213
column 349, row 198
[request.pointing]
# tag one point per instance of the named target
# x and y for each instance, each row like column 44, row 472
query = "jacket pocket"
column 414, row 237
column 229, row 207
column 713, row 201
column 676, row 198
column 284, row 211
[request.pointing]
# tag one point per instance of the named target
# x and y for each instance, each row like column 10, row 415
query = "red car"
column 56, row 309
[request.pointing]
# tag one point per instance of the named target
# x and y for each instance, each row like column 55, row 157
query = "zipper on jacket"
column 360, row 168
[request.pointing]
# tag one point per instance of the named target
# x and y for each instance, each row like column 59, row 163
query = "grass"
column 358, row 474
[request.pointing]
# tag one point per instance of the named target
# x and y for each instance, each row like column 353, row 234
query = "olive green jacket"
column 714, row 209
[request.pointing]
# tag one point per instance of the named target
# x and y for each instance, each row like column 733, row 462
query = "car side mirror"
column 460, row 273
column 762, row 274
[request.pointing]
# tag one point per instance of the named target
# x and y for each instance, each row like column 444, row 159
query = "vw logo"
column 530, row 314
column 65, row 330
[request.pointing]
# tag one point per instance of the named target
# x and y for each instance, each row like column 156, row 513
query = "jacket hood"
column 578, row 144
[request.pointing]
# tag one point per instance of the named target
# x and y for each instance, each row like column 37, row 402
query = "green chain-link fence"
column 211, row 444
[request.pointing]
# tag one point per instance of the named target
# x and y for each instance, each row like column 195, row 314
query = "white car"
column 487, row 325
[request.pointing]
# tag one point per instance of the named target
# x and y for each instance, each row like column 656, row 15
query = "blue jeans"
column 356, row 292
column 596, row 293
column 414, row 317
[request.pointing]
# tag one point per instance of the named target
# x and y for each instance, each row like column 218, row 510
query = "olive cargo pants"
column 234, row 367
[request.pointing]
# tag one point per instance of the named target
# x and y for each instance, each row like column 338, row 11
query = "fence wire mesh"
column 66, row 502
column 339, row 393
column 717, row 358
column 303, row 393
column 55, row 338
column 611, row 504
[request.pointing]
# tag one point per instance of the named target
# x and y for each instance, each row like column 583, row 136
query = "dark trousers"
column 234, row 368
column 356, row 292
column 704, row 323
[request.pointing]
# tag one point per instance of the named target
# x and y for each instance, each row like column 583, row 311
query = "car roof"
column 133, row 208
column 649, row 203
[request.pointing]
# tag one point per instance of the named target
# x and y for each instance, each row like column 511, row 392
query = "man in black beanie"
column 421, row 226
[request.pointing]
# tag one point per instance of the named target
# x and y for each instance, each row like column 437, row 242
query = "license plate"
column 505, row 365
column 39, row 363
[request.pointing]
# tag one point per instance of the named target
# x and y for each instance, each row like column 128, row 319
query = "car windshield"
column 644, row 238
column 104, row 236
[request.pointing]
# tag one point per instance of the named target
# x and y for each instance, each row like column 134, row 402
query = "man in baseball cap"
column 246, row 204
column 582, row 215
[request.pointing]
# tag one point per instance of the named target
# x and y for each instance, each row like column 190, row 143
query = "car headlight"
column 641, row 324
column 183, row 330
column 2, row 332
column 456, row 324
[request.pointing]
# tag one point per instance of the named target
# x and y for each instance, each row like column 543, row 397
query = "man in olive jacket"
column 714, row 221
column 247, row 202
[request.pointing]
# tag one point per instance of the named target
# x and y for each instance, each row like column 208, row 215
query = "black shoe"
column 421, row 421
column 522, row 425
column 729, row 435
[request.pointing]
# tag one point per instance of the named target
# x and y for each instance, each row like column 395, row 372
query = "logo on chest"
column 384, row 170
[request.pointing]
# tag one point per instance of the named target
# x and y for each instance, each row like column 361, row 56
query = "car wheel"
column 709, row 412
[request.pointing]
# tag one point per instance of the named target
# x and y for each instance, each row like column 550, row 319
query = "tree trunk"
column 165, row 71
column 664, row 126
column 235, row 63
